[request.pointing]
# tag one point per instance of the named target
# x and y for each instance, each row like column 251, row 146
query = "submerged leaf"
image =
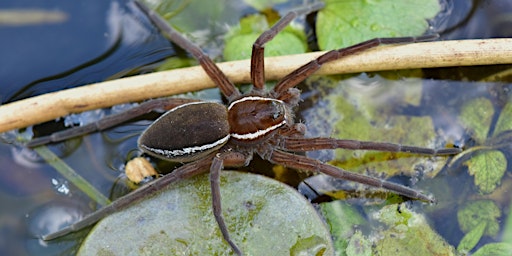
column 240, row 39
column 476, row 116
column 261, row 5
column 408, row 234
column 476, row 212
column 494, row 249
column 488, row 167
column 470, row 240
column 265, row 217
column 505, row 120
column 359, row 245
column 342, row 219
column 347, row 22
column 365, row 108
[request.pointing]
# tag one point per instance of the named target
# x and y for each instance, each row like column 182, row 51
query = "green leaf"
column 240, row 39
column 180, row 219
column 494, row 249
column 359, row 245
column 347, row 22
column 408, row 233
column 488, row 167
column 505, row 120
column 470, row 240
column 476, row 116
column 261, row 5
column 342, row 219
column 476, row 212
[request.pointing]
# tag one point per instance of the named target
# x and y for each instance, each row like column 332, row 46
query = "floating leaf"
column 265, row 217
column 240, row 39
column 476, row 212
column 488, row 167
column 346, row 22
column 408, row 234
column 470, row 240
column 476, row 115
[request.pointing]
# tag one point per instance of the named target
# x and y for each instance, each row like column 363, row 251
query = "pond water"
column 81, row 42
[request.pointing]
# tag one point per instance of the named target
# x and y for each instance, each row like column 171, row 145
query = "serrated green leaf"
column 470, row 240
column 240, row 39
column 476, row 212
column 494, row 249
column 346, row 22
column 488, row 167
column 476, row 116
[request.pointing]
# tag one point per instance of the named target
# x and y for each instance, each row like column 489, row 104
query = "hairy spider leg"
column 109, row 121
column 298, row 75
column 212, row 70
column 258, row 48
column 319, row 143
column 215, row 169
column 313, row 165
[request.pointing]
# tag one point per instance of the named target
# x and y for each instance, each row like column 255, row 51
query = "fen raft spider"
column 259, row 121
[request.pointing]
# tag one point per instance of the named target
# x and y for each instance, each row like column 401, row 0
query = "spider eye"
column 277, row 115
column 277, row 110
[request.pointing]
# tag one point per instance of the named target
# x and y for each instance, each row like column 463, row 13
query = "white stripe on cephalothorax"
column 254, row 135
column 252, row 98
column 186, row 151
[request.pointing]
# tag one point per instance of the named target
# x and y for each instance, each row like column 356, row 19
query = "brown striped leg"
column 215, row 169
column 308, row 144
column 297, row 76
column 226, row 87
column 184, row 172
column 258, row 48
column 304, row 163
column 109, row 121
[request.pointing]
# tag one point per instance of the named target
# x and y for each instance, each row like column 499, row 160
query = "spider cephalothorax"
column 208, row 136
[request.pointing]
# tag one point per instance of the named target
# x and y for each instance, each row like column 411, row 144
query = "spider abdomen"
column 252, row 118
column 187, row 132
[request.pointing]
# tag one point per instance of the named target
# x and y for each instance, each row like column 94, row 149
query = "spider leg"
column 258, row 48
column 215, row 169
column 308, row 144
column 109, row 121
column 212, row 70
column 298, row 75
column 308, row 164
column 184, row 172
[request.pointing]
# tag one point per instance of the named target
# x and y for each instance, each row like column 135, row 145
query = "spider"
column 208, row 136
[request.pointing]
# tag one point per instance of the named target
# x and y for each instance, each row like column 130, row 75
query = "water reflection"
column 98, row 40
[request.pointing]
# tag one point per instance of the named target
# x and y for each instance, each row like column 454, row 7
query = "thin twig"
column 159, row 84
